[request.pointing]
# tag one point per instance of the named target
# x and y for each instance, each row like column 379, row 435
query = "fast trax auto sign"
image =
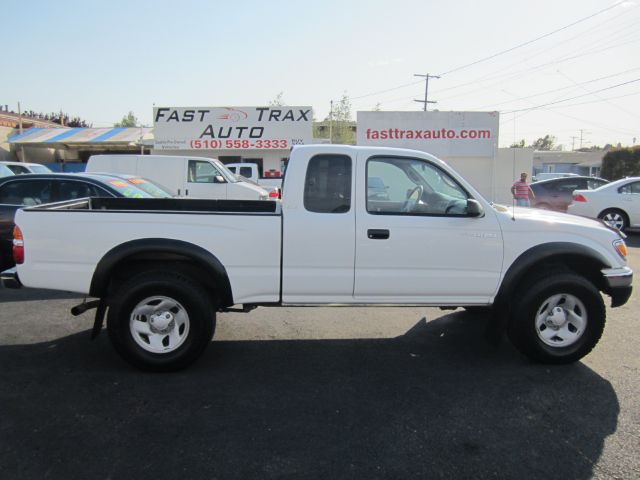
column 443, row 134
column 231, row 128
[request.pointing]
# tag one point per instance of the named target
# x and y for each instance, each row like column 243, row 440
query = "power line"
column 534, row 40
column 573, row 98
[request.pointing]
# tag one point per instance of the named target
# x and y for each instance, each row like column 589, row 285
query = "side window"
column 569, row 186
column 412, row 186
column 592, row 183
column 70, row 190
column 327, row 186
column 202, row 172
column 245, row 172
column 630, row 188
column 29, row 193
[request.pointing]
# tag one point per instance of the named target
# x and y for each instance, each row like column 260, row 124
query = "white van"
column 196, row 177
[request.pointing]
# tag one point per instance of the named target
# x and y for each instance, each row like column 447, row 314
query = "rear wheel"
column 615, row 218
column 160, row 321
column 559, row 318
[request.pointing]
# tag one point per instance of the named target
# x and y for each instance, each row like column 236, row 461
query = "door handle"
column 377, row 234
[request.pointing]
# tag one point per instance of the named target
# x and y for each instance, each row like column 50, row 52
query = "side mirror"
column 219, row 179
column 474, row 209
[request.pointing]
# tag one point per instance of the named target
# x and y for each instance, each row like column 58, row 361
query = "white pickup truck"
column 162, row 268
column 250, row 171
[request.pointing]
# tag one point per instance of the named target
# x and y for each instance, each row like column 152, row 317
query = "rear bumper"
column 9, row 278
column 618, row 283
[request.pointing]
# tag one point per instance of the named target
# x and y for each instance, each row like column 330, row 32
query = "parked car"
column 152, row 188
column 17, row 191
column 549, row 175
column 557, row 193
column 617, row 203
column 18, row 168
column 5, row 171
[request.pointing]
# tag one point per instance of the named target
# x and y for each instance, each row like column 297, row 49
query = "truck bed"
column 65, row 241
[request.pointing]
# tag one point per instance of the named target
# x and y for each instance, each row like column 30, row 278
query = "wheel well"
column 587, row 267
column 218, row 287
column 613, row 209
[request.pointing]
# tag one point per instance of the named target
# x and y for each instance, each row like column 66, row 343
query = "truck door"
column 415, row 242
column 319, row 232
column 204, row 180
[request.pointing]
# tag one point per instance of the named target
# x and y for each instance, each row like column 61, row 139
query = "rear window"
column 327, row 186
column 127, row 189
column 150, row 187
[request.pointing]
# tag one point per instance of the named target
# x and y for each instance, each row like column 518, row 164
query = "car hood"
column 545, row 219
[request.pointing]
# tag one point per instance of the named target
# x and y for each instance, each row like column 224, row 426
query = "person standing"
column 521, row 191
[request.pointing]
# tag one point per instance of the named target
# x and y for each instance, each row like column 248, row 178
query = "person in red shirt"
column 521, row 191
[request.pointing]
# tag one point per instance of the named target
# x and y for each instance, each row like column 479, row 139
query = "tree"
column 620, row 163
column 519, row 144
column 544, row 143
column 278, row 101
column 129, row 120
column 343, row 129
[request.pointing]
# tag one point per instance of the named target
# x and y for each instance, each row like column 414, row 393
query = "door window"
column 630, row 188
column 70, row 190
column 327, row 186
column 202, row 172
column 29, row 192
column 412, row 187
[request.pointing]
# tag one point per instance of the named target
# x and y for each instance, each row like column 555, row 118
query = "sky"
column 567, row 68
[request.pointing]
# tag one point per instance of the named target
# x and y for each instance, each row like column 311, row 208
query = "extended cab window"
column 412, row 186
column 630, row 188
column 327, row 186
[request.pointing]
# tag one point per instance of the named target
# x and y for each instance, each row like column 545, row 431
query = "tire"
column 160, row 321
column 615, row 218
column 559, row 335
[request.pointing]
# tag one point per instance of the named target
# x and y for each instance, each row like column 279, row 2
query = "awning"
column 57, row 137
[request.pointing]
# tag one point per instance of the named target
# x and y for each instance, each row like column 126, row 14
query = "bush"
column 620, row 163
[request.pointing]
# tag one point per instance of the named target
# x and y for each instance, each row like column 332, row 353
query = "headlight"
column 620, row 247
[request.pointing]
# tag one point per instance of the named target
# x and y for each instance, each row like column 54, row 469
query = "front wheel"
column 558, row 319
column 160, row 321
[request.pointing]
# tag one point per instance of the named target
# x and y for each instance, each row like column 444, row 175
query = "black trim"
column 539, row 253
column 619, row 295
column 10, row 279
column 204, row 258
column 184, row 205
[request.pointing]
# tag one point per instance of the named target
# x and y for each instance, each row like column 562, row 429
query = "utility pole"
column 426, row 89
column 582, row 131
column 331, row 122
column 573, row 143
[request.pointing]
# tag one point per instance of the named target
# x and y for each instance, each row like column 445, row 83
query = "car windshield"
column 127, row 189
column 5, row 171
column 151, row 188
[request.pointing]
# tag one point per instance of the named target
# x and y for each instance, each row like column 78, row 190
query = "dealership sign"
column 231, row 128
column 443, row 134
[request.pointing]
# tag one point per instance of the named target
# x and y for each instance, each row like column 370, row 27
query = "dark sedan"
column 17, row 191
column 556, row 193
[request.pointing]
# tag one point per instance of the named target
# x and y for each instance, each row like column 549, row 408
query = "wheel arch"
column 578, row 258
column 129, row 257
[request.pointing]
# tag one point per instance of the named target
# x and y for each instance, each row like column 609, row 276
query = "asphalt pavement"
column 315, row 393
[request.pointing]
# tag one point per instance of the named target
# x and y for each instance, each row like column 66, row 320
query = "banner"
column 231, row 128
column 444, row 134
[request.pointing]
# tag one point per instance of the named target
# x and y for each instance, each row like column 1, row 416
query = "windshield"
column 128, row 190
column 151, row 188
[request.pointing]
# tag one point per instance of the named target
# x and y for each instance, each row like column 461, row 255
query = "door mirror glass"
column 474, row 209
column 218, row 179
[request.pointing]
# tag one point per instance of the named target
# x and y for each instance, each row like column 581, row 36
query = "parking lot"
column 315, row 393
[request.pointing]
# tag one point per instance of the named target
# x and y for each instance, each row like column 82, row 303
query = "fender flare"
column 539, row 253
column 203, row 258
